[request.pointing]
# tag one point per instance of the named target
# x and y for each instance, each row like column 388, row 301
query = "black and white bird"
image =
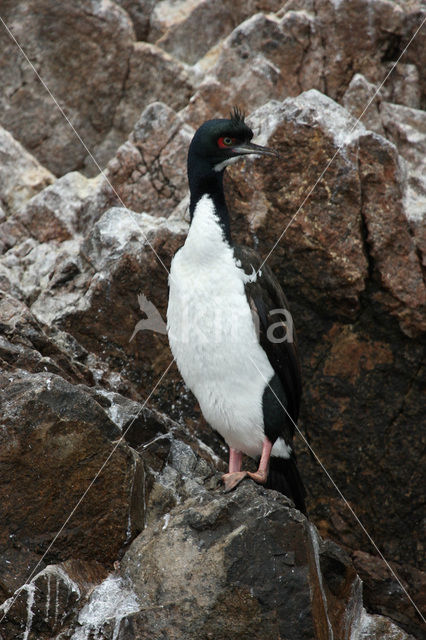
column 222, row 333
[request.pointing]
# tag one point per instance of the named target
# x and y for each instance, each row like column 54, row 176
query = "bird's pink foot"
column 231, row 480
column 259, row 476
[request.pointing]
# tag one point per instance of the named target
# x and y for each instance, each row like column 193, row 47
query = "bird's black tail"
column 284, row 477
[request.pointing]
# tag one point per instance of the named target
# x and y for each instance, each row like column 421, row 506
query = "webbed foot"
column 232, row 480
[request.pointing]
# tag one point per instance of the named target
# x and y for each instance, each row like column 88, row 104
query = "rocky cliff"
column 113, row 523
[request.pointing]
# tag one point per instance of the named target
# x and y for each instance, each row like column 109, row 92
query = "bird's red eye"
column 226, row 142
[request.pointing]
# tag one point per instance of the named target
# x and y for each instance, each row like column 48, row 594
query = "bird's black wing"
column 276, row 333
column 278, row 339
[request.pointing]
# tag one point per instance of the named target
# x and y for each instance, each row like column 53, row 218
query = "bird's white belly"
column 213, row 339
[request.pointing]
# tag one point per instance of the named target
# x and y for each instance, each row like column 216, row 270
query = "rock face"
column 113, row 523
column 96, row 37
column 235, row 567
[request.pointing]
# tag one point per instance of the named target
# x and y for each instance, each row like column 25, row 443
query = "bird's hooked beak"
column 250, row 147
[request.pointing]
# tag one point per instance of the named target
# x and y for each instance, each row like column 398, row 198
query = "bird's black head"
column 218, row 143
column 215, row 145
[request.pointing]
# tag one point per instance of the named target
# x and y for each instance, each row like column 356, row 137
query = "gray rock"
column 236, row 565
column 21, row 175
column 357, row 96
column 62, row 210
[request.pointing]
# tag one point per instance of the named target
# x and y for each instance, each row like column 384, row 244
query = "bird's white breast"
column 212, row 333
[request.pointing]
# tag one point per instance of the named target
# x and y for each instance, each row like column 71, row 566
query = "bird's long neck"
column 210, row 183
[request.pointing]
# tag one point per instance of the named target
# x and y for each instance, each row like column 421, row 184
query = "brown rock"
column 362, row 375
column 15, row 567
column 48, row 602
column 66, row 43
column 236, row 565
column 350, row 264
column 11, row 232
column 357, row 37
column 153, row 75
column 174, row 25
column 47, row 419
column 382, row 591
column 149, row 171
column 265, row 55
column 390, row 243
column 406, row 128
column 323, row 240
column 305, row 45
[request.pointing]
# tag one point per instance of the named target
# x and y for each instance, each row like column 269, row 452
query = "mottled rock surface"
column 47, row 419
column 21, row 175
column 86, row 374
column 66, row 43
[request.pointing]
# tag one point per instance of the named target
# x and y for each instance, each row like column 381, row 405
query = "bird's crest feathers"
column 237, row 116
